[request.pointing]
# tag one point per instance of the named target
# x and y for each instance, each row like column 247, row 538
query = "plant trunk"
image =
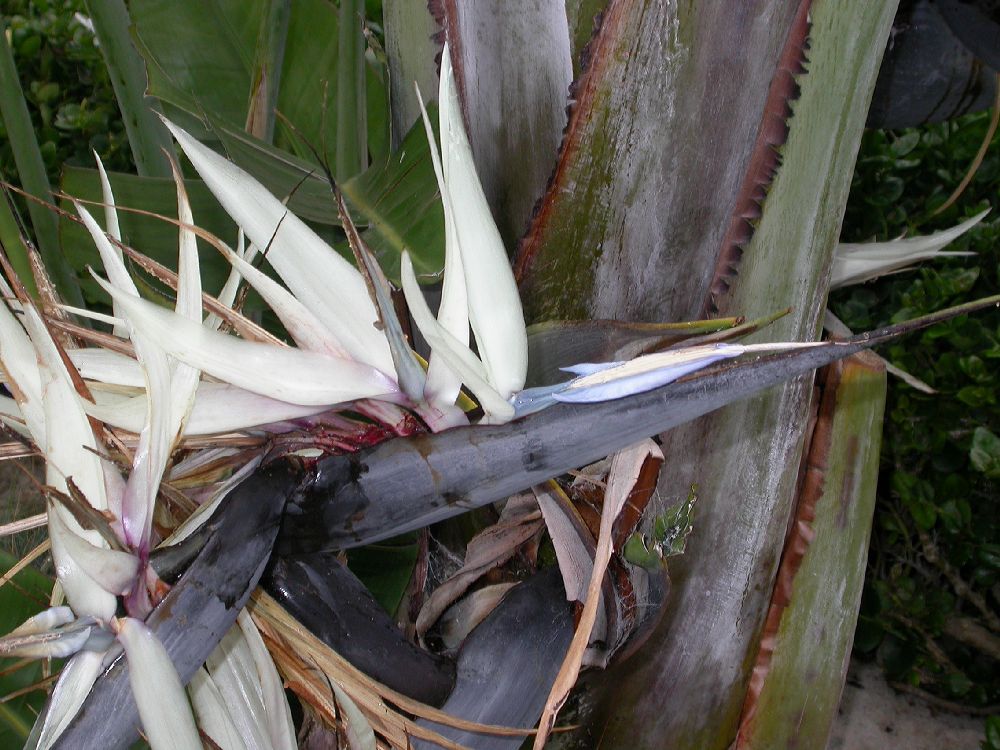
column 805, row 647
column 687, row 687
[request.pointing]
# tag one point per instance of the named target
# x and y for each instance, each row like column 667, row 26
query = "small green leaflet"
column 669, row 537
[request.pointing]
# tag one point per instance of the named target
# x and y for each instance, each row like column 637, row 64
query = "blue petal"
column 638, row 383
column 589, row 368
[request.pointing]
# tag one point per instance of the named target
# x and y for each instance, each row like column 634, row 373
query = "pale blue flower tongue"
column 531, row 400
column 607, row 381
column 618, row 379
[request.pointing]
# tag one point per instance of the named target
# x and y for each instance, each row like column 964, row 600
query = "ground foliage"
column 935, row 555
column 66, row 86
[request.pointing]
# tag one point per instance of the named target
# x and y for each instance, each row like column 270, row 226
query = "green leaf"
column 146, row 234
column 397, row 200
column 351, row 154
column 146, row 134
column 201, row 60
column 992, row 734
column 31, row 170
column 24, row 596
column 985, row 452
column 385, row 569
column 905, row 143
column 199, row 55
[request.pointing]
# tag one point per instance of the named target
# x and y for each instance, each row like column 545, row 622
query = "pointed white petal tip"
column 261, row 368
column 855, row 263
column 52, row 634
column 163, row 706
column 327, row 284
column 607, row 381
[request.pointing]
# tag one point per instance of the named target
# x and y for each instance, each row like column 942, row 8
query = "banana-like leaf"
column 31, row 169
column 800, row 669
column 651, row 162
column 508, row 663
column 322, row 594
column 513, row 69
column 200, row 59
column 582, row 17
column 410, row 49
column 149, row 141
column 743, row 458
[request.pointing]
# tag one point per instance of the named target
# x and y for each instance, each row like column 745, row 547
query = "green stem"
column 146, row 134
column 10, row 238
column 351, row 154
column 266, row 71
column 34, row 180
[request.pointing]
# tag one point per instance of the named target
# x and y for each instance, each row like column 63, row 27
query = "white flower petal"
column 218, row 408
column 320, row 278
column 20, row 365
column 107, row 367
column 112, row 570
column 854, row 263
column 75, row 681
column 56, row 644
column 458, row 357
column 111, row 256
column 212, row 712
column 607, row 381
column 277, row 713
column 443, row 384
column 188, row 270
column 110, row 210
column 233, row 671
column 227, row 295
column 155, row 442
column 53, row 617
column 71, row 452
column 494, row 303
column 360, row 735
column 163, row 706
column 111, row 222
column 304, row 328
column 183, row 377
column 12, row 417
column 643, row 373
column 290, row 375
